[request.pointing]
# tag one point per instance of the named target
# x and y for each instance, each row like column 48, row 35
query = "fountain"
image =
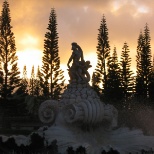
column 81, row 118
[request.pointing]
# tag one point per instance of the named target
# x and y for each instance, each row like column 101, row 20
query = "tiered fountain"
column 81, row 118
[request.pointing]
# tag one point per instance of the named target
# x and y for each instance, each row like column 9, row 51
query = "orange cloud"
column 79, row 21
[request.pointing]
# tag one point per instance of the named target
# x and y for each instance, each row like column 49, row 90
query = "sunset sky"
column 78, row 21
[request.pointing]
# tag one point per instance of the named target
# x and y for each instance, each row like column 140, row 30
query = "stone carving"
column 79, row 104
column 78, row 71
column 48, row 110
column 80, row 107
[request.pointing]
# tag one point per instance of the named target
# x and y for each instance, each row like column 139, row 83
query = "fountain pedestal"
column 81, row 118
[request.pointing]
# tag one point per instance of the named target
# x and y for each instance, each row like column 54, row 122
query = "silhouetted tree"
column 81, row 150
column 10, row 144
column 151, row 83
column 126, row 73
column 24, row 82
column 1, row 79
column 99, row 79
column 70, row 150
column 17, row 101
column 37, row 142
column 41, row 81
column 113, row 91
column 112, row 151
column 52, row 74
column 32, row 82
column 53, row 147
column 37, row 85
column 23, row 149
column 8, row 53
column 103, row 152
column 139, row 78
column 144, row 66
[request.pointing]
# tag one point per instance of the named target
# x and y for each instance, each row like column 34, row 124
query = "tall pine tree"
column 144, row 66
column 24, row 82
column 37, row 85
column 151, row 83
column 1, row 80
column 32, row 82
column 99, row 79
column 8, row 53
column 53, row 75
column 139, row 79
column 126, row 73
column 113, row 92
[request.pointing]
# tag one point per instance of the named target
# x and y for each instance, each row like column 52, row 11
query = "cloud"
column 80, row 20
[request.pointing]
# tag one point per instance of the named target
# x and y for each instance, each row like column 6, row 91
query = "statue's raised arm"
column 78, row 70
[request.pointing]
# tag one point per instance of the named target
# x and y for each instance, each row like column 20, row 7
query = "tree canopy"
column 144, row 64
column 99, row 79
column 8, row 57
column 52, row 74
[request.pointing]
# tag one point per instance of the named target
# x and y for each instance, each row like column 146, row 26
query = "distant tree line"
column 49, row 80
column 112, row 79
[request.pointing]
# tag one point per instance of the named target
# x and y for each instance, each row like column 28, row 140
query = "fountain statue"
column 81, row 118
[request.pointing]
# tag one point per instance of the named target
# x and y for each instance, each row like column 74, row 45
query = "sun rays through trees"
column 112, row 78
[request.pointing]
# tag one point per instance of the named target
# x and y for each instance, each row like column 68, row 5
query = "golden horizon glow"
column 28, row 40
column 29, row 57
column 78, row 21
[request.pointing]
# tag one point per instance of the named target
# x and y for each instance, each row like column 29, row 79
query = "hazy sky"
column 78, row 21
